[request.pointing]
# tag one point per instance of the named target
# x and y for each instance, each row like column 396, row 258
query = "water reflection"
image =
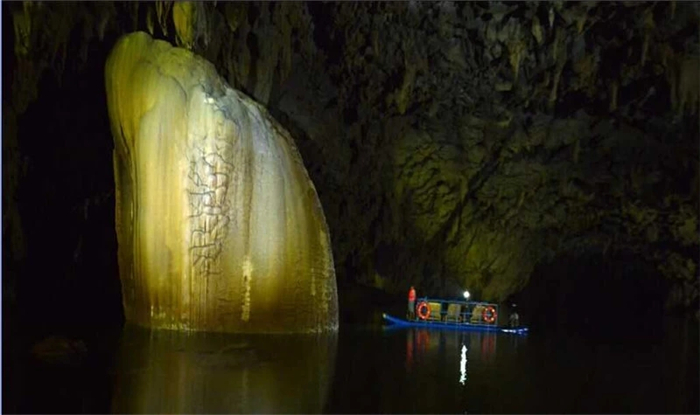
column 463, row 366
column 449, row 369
column 488, row 345
column 419, row 343
column 170, row 372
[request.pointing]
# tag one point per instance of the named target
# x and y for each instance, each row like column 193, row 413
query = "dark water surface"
column 368, row 370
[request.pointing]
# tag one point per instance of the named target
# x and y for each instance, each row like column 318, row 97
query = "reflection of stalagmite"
column 171, row 372
column 219, row 226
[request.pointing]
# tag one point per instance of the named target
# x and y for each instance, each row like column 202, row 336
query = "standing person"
column 412, row 303
column 514, row 318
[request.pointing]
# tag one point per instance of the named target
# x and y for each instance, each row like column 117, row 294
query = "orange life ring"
column 489, row 314
column 423, row 310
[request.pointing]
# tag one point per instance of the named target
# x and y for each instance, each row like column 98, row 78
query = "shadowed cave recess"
column 544, row 153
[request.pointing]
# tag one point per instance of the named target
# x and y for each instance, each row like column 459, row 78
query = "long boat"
column 456, row 315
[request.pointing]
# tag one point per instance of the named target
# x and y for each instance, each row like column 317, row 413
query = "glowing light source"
column 466, row 295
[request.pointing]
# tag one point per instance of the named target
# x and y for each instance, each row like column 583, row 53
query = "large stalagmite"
column 219, row 226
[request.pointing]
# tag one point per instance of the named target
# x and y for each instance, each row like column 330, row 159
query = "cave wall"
column 452, row 144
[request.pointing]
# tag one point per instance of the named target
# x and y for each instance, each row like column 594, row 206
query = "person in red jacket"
column 412, row 303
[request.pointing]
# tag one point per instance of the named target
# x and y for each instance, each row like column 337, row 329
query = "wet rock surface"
column 219, row 226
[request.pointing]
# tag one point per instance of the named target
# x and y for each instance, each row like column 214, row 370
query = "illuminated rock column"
column 219, row 226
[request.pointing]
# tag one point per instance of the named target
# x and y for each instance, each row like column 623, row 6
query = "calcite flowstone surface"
column 219, row 226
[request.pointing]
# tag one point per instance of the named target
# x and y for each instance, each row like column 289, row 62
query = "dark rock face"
column 451, row 145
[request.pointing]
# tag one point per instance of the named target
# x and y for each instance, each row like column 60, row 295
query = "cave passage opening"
column 595, row 294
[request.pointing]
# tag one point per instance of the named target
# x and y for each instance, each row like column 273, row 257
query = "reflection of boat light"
column 463, row 366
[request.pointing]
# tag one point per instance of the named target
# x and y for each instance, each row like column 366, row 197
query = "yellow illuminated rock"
column 219, row 226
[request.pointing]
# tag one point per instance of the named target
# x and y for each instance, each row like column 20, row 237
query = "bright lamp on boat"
column 466, row 294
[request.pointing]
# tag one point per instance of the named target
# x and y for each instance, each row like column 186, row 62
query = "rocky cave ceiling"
column 450, row 143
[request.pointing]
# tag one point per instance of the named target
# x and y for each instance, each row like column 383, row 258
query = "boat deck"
column 454, row 326
column 458, row 315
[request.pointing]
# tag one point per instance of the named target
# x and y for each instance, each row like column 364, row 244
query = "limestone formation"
column 218, row 224
column 461, row 141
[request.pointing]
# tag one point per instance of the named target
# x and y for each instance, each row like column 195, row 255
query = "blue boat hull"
column 454, row 326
